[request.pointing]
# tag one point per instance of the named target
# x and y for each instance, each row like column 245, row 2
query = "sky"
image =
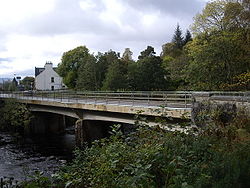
column 35, row 31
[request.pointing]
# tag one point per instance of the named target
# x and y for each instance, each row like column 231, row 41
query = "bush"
column 14, row 116
column 152, row 157
column 212, row 156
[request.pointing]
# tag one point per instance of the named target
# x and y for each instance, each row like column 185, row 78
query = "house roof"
column 38, row 70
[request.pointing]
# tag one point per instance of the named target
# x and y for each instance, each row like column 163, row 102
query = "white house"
column 47, row 79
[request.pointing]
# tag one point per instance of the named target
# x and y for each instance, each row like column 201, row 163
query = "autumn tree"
column 220, row 49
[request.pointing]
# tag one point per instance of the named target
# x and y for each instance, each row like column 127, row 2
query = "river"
column 20, row 158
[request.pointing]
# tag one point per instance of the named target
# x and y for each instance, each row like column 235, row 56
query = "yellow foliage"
column 240, row 82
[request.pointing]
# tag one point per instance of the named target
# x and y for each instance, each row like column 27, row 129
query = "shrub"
column 14, row 116
column 152, row 157
column 212, row 156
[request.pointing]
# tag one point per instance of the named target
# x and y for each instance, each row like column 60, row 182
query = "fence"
column 156, row 98
column 174, row 99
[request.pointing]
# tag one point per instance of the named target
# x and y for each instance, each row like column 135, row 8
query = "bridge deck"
column 146, row 106
column 165, row 103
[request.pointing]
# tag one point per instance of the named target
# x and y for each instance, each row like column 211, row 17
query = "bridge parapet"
column 237, row 98
column 156, row 98
column 156, row 103
column 173, row 104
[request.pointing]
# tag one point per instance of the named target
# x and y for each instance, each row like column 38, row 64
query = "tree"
column 28, row 83
column 71, row 61
column 177, row 38
column 188, row 37
column 14, row 116
column 176, row 68
column 220, row 49
column 175, row 59
column 116, row 77
column 151, row 75
column 127, row 55
column 210, row 19
column 103, row 63
column 169, row 49
column 217, row 60
column 87, row 79
column 149, row 52
column 222, row 15
column 133, row 76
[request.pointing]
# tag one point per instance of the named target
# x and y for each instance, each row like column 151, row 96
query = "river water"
column 20, row 158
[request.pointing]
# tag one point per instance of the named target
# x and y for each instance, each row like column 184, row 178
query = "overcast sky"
column 35, row 31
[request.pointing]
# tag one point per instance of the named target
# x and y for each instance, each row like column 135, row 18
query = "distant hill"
column 5, row 79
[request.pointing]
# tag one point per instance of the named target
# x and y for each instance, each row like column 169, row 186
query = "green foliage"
column 12, row 86
column 103, row 63
column 151, row 75
column 175, row 59
column 188, row 37
column 116, row 77
column 176, row 67
column 38, row 180
column 222, row 15
column 127, row 55
column 218, row 155
column 14, row 116
column 216, row 60
column 133, row 76
column 87, row 75
column 148, row 52
column 71, row 62
column 28, row 82
column 220, row 49
column 177, row 38
column 212, row 60
column 240, row 82
column 152, row 157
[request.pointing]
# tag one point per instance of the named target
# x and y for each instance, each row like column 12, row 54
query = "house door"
column 52, row 88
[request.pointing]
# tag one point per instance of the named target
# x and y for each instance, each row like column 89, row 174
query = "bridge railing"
column 156, row 98
column 175, row 99
column 231, row 96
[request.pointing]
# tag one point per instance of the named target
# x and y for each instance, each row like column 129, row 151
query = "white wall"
column 43, row 80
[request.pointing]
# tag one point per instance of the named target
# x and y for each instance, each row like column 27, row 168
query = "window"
column 52, row 80
column 52, row 88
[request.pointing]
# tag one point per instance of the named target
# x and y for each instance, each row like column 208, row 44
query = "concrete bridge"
column 119, row 107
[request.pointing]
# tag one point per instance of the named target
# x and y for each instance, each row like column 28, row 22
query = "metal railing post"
column 166, row 100
column 133, row 100
column 148, row 99
column 185, row 100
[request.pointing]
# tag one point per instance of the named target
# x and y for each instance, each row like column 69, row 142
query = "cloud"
column 33, row 32
column 8, row 59
column 174, row 8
